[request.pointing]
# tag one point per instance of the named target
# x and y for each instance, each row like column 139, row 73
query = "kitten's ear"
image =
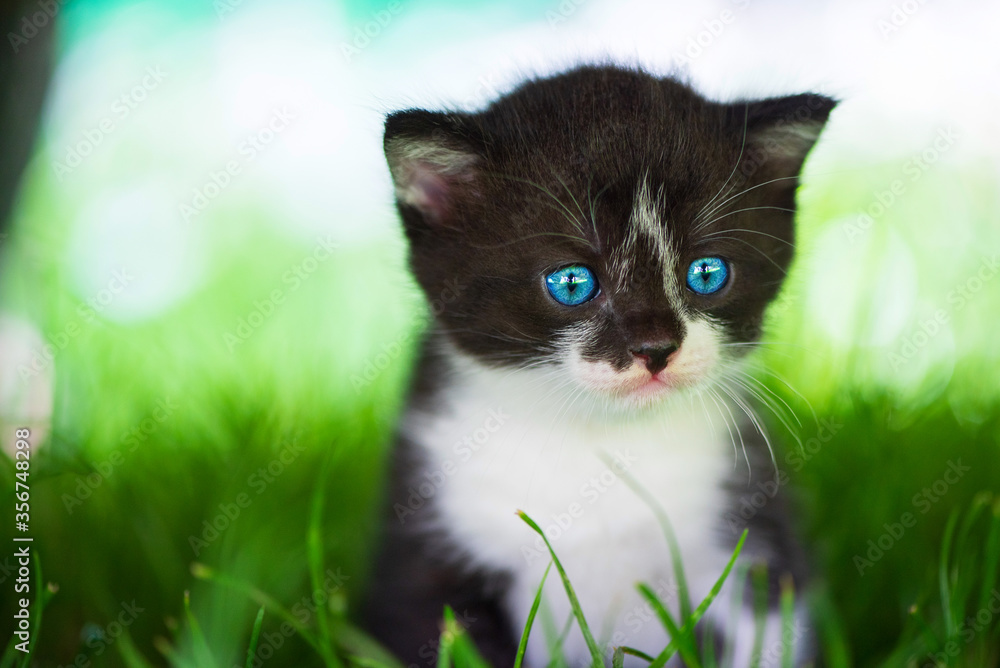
column 434, row 159
column 780, row 132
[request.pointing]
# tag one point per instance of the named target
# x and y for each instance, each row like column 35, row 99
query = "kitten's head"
column 616, row 226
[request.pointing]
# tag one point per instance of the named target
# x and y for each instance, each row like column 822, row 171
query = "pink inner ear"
column 431, row 177
column 427, row 190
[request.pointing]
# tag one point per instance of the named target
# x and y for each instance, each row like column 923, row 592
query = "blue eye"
column 707, row 275
column 572, row 285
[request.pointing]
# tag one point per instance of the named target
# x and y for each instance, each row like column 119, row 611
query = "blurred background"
column 207, row 324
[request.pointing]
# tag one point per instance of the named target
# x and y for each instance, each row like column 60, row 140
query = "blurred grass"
column 129, row 539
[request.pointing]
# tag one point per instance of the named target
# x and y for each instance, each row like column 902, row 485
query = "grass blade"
column 992, row 554
column 943, row 579
column 447, row 639
column 203, row 572
column 130, row 655
column 787, row 622
column 463, row 650
column 758, row 575
column 555, row 638
column 618, row 658
column 362, row 648
column 699, row 612
column 833, row 640
column 254, row 636
column 173, row 658
column 708, row 658
column 683, row 593
column 736, row 597
column 523, row 644
column 637, row 652
column 681, row 637
column 43, row 595
column 202, row 652
column 314, row 545
column 595, row 651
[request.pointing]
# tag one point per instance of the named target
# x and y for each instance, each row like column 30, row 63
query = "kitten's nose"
column 655, row 357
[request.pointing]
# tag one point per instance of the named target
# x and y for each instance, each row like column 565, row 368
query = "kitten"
column 599, row 248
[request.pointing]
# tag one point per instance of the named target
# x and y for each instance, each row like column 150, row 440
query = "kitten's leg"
column 406, row 601
column 416, row 574
column 760, row 504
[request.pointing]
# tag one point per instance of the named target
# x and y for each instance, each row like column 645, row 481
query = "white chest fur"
column 499, row 442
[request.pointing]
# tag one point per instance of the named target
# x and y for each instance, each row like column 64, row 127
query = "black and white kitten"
column 599, row 247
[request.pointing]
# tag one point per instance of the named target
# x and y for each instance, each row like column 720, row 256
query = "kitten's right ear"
column 434, row 159
column 779, row 132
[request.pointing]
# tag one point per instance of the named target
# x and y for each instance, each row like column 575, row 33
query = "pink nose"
column 655, row 357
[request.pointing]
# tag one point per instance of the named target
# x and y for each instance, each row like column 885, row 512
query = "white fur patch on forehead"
column 645, row 222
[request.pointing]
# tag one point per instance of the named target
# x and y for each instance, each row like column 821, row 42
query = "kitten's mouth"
column 646, row 380
column 635, row 384
column 650, row 386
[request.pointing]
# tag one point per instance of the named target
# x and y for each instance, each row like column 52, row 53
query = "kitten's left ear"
column 434, row 160
column 780, row 132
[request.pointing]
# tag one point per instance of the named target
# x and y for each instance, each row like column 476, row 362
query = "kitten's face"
column 614, row 226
